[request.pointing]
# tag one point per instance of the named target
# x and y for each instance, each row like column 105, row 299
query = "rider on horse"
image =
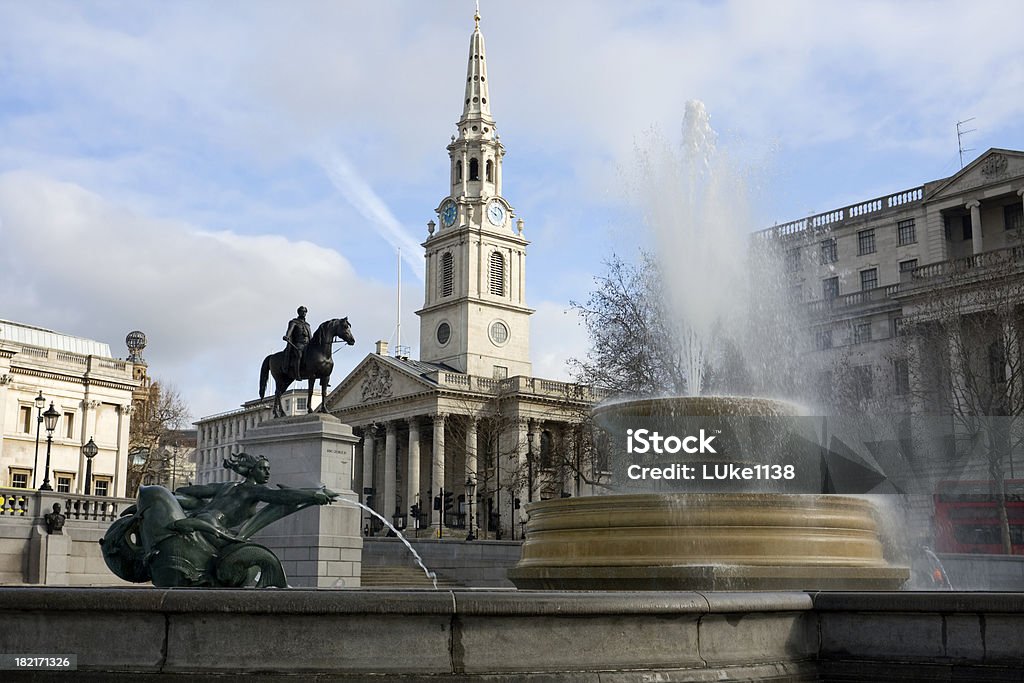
column 297, row 336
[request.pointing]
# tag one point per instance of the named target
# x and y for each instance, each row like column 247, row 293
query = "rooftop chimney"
column 382, row 348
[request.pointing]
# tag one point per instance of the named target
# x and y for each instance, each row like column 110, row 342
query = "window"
column 868, row 279
column 965, row 222
column 906, row 231
column 1013, row 216
column 866, row 242
column 300, row 403
column 498, row 332
column 907, row 266
column 861, row 333
column 65, row 480
column 458, row 171
column 497, row 274
column 447, row 268
column 830, row 288
column 862, row 385
column 444, row 333
column 489, row 172
column 896, row 326
column 20, row 477
column 474, row 169
column 101, row 486
column 69, row 425
column 793, row 259
column 901, row 376
column 829, row 252
column 823, row 339
column 500, row 372
column 25, row 421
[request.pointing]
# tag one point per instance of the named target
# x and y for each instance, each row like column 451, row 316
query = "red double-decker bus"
column 967, row 517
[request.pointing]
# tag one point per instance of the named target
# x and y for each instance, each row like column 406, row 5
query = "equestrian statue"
column 307, row 356
column 199, row 535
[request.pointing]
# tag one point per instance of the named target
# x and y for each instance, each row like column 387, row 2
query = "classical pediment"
column 992, row 168
column 375, row 379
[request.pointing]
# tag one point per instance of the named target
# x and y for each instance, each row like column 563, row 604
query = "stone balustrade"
column 835, row 217
column 519, row 385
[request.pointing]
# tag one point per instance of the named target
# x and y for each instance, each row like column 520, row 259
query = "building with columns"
column 868, row 270
column 92, row 392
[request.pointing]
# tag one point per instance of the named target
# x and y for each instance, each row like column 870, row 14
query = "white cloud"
column 211, row 303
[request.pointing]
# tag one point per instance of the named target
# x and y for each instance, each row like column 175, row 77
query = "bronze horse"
column 316, row 364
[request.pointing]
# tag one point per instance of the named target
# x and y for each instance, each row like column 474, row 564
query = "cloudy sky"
column 197, row 170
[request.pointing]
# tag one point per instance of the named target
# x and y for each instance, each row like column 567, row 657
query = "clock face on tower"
column 448, row 213
column 496, row 213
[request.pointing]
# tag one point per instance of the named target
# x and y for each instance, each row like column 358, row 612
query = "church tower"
column 474, row 317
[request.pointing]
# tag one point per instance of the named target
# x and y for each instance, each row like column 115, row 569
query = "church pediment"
column 376, row 378
column 991, row 168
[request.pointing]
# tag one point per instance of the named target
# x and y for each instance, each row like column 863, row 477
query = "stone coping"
column 945, row 602
column 467, row 602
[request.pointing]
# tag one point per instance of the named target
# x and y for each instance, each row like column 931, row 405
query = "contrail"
column 372, row 207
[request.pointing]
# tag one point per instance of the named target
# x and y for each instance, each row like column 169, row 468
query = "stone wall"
column 270, row 635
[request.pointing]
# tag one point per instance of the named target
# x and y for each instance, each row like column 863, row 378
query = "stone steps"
column 401, row 577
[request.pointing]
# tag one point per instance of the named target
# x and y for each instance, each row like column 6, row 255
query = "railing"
column 820, row 221
column 995, row 260
column 14, row 503
column 78, row 361
column 32, row 503
column 519, row 385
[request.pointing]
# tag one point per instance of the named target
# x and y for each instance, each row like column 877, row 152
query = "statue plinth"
column 320, row 546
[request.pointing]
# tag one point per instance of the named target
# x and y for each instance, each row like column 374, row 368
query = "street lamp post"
column 470, row 491
column 50, row 418
column 40, row 404
column 89, row 450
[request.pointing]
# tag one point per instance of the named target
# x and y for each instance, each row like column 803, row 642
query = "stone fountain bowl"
column 704, row 541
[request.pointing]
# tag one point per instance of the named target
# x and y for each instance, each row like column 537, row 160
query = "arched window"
column 447, row 268
column 497, row 274
column 474, row 169
column 458, row 171
column 489, row 171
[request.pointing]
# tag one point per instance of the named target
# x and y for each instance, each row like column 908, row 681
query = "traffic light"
column 516, row 504
column 437, row 502
column 414, row 511
column 449, row 502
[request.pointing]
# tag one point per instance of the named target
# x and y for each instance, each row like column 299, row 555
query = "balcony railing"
column 996, row 260
column 821, row 221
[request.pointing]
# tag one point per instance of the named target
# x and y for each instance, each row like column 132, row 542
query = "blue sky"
column 197, row 170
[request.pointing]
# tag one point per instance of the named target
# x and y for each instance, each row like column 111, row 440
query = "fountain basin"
column 726, row 540
column 739, row 541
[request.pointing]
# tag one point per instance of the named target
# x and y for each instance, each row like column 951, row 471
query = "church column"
column 413, row 469
column 471, row 465
column 534, row 439
column 368, row 434
column 89, row 429
column 976, row 239
column 437, row 471
column 390, row 468
column 523, row 492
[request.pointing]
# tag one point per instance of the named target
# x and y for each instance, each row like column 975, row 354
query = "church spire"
column 476, row 105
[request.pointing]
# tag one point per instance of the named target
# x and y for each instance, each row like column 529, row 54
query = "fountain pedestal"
column 322, row 545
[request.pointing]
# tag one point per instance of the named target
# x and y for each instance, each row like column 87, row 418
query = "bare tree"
column 154, row 421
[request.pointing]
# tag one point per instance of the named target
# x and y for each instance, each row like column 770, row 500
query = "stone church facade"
column 468, row 415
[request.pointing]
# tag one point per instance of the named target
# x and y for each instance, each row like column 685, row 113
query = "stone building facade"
column 867, row 271
column 92, row 391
